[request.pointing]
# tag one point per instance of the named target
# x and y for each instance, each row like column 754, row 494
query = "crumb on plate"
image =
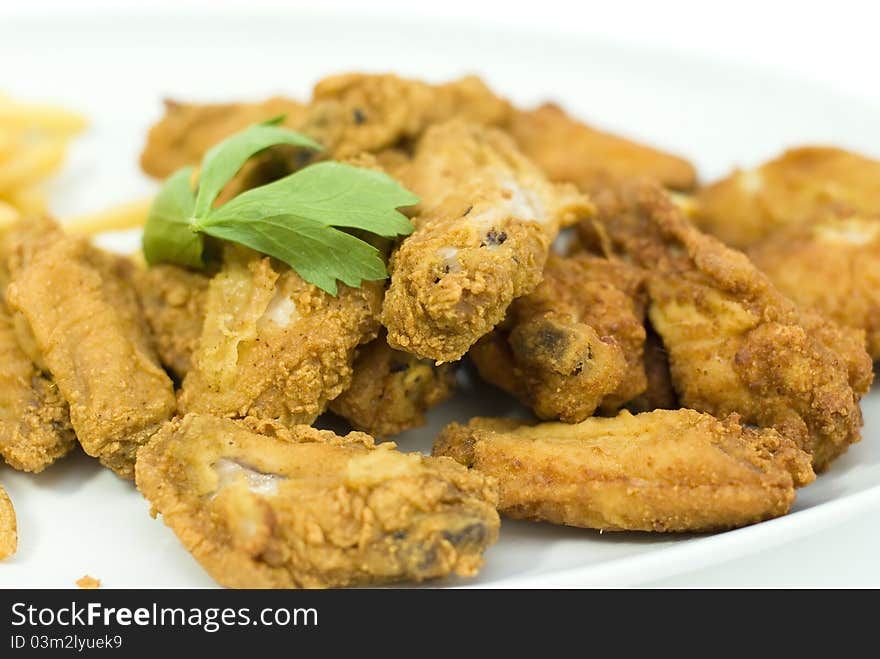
column 88, row 582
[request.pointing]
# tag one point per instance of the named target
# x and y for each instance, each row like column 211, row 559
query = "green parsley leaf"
column 319, row 254
column 300, row 219
column 224, row 160
column 168, row 233
column 331, row 193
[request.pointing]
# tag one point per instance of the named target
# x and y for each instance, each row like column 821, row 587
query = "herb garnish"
column 296, row 219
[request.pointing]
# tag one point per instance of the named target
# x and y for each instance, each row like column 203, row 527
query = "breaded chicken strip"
column 8, row 526
column 173, row 300
column 831, row 265
column 568, row 150
column 274, row 346
column 188, row 130
column 76, row 306
column 668, row 470
column 735, row 343
column 391, row 390
column 35, row 428
column 486, row 221
column 747, row 206
column 304, row 508
column 573, row 345
column 353, row 113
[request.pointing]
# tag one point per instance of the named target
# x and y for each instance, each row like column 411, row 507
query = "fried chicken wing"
column 667, row 470
column 173, row 301
column 35, row 428
column 304, row 508
column 274, row 346
column 832, row 266
column 568, row 150
column 749, row 205
column 735, row 343
column 8, row 526
column 356, row 112
column 188, row 130
column 573, row 345
column 391, row 390
column 349, row 114
column 78, row 311
column 487, row 219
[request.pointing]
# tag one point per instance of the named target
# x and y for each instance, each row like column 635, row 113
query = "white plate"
column 78, row 518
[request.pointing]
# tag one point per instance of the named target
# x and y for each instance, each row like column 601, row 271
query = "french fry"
column 8, row 214
column 32, row 163
column 116, row 218
column 29, row 201
column 9, row 143
column 16, row 116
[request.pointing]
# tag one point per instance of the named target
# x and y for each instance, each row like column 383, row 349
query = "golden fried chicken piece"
column 573, row 345
column 356, row 112
column 749, row 205
column 482, row 237
column 660, row 392
column 832, row 266
column 21, row 241
column 188, row 130
column 173, row 300
column 349, row 114
column 568, row 150
column 8, row 526
column 304, row 508
column 35, row 428
column 668, row 470
column 274, row 346
column 735, row 343
column 35, row 425
column 391, row 390
column 78, row 311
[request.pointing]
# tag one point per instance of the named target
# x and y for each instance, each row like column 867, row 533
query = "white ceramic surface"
column 78, row 518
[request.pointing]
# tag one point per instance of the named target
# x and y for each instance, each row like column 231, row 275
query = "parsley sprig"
column 299, row 219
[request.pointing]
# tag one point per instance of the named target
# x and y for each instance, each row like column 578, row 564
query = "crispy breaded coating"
column 173, row 301
column 35, row 428
column 749, row 205
column 481, row 239
column 573, row 345
column 832, row 266
column 304, row 508
column 391, row 390
column 668, row 470
column 356, row 112
column 76, row 306
column 274, row 346
column 569, row 150
column 735, row 343
column 21, row 241
column 8, row 526
column 188, row 130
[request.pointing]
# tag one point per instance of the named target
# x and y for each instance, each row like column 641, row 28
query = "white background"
column 835, row 44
